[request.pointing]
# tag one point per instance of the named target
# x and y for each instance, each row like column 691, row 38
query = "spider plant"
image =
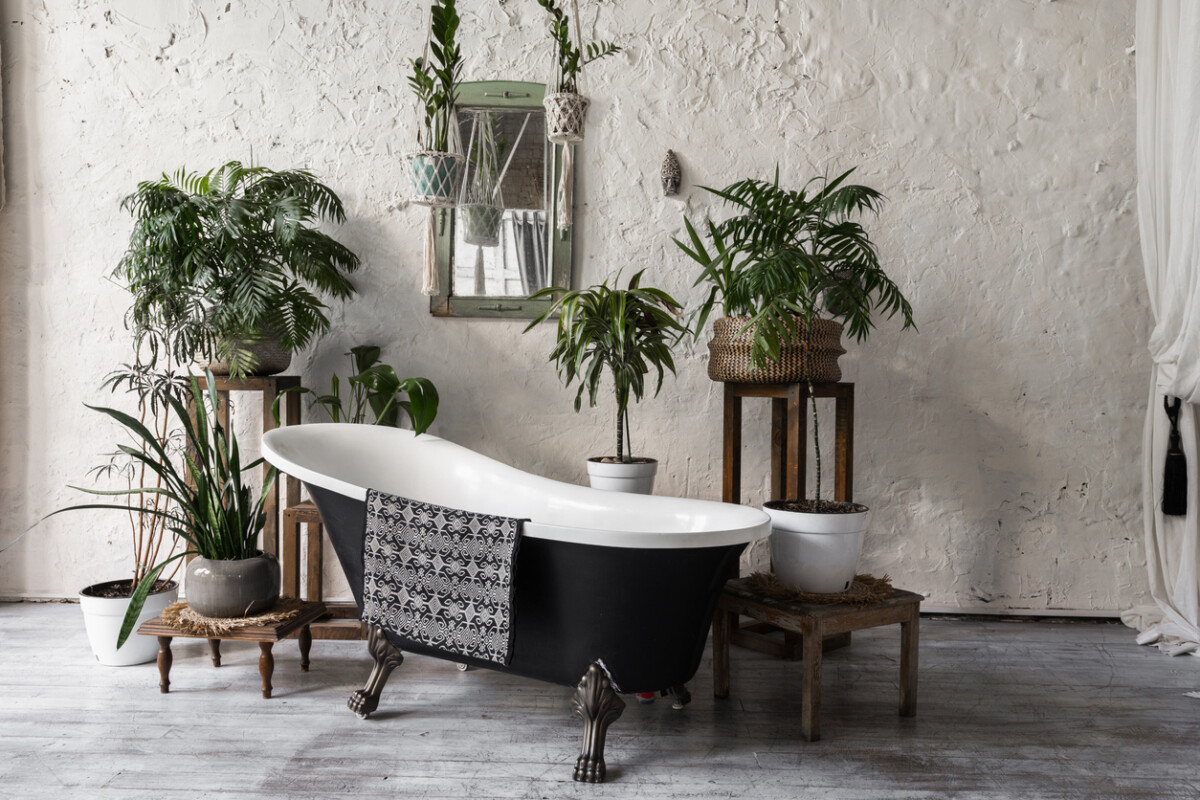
column 626, row 332
column 790, row 256
column 219, row 260
column 570, row 59
column 435, row 81
column 208, row 505
column 375, row 387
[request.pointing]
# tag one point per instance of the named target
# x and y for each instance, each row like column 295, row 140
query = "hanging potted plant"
column 223, row 266
column 482, row 206
column 207, row 506
column 790, row 270
column 626, row 332
column 436, row 166
column 566, row 108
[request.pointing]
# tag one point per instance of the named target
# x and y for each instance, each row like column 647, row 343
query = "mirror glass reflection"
column 502, row 230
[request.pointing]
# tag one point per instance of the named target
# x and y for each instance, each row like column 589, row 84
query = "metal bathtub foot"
column 387, row 658
column 599, row 706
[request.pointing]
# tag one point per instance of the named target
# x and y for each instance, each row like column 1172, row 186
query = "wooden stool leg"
column 722, row 621
column 305, row 646
column 810, row 695
column 164, row 664
column 909, row 635
column 266, row 666
column 214, row 646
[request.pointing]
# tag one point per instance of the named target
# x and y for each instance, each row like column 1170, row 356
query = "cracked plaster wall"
column 998, row 446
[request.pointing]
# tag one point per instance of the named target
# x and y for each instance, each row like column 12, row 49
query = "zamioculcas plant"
column 566, row 109
column 618, row 334
column 435, row 80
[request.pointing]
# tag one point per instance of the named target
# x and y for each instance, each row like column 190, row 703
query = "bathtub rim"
column 755, row 523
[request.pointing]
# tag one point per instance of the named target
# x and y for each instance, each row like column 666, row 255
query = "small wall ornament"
column 670, row 174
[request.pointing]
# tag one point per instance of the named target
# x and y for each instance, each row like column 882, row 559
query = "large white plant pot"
column 102, row 617
column 816, row 553
column 636, row 478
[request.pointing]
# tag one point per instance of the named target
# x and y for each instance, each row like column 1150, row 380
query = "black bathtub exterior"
column 644, row 614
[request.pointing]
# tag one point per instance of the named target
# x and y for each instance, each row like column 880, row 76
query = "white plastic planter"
column 636, row 478
column 817, row 553
column 102, row 617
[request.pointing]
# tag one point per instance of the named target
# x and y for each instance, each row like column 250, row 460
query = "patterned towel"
column 440, row 576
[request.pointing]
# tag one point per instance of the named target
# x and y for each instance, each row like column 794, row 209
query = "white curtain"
column 1168, row 162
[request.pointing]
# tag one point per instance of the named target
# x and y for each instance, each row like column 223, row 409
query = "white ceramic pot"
column 102, row 616
column 636, row 478
column 816, row 553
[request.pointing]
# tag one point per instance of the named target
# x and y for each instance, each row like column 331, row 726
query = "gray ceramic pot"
column 232, row 588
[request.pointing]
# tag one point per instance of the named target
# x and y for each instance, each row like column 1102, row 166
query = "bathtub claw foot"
column 599, row 706
column 680, row 696
column 387, row 658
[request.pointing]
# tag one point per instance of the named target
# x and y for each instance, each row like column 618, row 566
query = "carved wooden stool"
column 813, row 621
column 265, row 635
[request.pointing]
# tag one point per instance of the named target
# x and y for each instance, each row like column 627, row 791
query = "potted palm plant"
column 435, row 168
column 375, row 387
column 789, row 271
column 223, row 266
column 208, row 506
column 566, row 108
column 105, row 604
column 626, row 332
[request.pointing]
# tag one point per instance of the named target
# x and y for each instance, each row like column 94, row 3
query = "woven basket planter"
column 436, row 177
column 481, row 224
column 566, row 113
column 809, row 356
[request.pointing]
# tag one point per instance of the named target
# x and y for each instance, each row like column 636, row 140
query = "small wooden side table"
column 813, row 621
column 789, row 466
column 265, row 635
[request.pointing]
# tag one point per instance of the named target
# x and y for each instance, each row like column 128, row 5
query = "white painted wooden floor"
column 1007, row 710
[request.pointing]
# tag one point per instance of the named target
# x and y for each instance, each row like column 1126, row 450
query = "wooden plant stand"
column 265, row 635
column 341, row 620
column 789, row 463
column 812, row 622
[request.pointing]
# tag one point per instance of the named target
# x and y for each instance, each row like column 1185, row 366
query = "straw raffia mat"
column 867, row 590
column 179, row 616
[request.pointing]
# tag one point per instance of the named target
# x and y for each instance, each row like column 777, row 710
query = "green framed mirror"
column 500, row 243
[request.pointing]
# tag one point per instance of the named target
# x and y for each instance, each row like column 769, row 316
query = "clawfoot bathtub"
column 614, row 593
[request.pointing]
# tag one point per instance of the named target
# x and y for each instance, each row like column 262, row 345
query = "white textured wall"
column 997, row 446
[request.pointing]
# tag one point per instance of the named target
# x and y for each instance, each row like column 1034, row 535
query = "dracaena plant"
column 571, row 60
column 207, row 504
column 434, row 80
column 217, row 261
column 792, row 255
column 621, row 334
column 375, row 388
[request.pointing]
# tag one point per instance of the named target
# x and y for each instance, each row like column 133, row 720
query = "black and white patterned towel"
column 440, row 576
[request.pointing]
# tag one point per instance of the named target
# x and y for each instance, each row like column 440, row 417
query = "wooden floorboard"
column 1006, row 710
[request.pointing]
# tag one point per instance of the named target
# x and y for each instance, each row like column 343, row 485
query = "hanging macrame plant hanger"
column 566, row 113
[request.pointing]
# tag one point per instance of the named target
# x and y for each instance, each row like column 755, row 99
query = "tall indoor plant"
column 209, row 507
column 566, row 108
column 788, row 270
column 621, row 334
column 224, row 266
column 436, row 166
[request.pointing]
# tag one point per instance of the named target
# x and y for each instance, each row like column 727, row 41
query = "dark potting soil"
column 121, row 588
column 615, row 460
column 815, row 506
